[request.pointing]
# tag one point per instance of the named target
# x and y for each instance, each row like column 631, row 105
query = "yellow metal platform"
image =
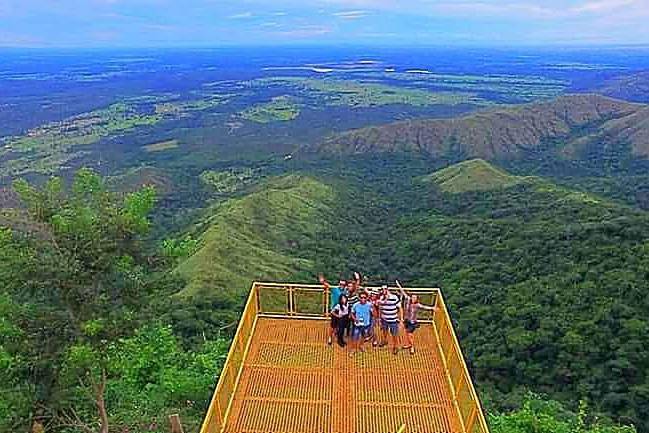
column 282, row 377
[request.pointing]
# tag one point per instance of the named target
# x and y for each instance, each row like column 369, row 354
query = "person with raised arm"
column 340, row 318
column 334, row 296
column 411, row 324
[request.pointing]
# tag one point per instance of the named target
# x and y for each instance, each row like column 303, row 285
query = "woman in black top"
column 340, row 318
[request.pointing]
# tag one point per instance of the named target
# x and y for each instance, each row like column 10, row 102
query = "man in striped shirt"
column 391, row 315
column 352, row 297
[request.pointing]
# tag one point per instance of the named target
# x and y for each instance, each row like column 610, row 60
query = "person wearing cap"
column 411, row 309
column 361, row 316
column 334, row 296
column 391, row 314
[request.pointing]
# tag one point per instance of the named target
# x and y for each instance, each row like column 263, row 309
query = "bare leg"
column 410, row 338
column 353, row 345
column 375, row 335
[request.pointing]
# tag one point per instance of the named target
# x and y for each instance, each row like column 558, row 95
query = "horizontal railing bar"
column 319, row 287
column 293, row 316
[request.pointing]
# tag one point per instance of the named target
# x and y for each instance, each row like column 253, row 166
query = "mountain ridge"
column 503, row 133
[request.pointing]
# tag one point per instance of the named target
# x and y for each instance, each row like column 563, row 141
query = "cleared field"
column 161, row 146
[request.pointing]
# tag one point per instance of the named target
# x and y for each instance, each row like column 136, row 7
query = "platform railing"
column 302, row 301
column 312, row 301
column 464, row 393
column 219, row 408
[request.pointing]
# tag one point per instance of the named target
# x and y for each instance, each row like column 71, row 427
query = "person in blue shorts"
column 361, row 317
column 391, row 315
column 334, row 295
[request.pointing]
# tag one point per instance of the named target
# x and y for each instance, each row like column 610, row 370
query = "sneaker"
column 375, row 343
column 383, row 344
column 342, row 343
column 396, row 351
column 412, row 350
column 329, row 341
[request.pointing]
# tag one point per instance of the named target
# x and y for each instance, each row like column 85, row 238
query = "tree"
column 83, row 259
column 540, row 416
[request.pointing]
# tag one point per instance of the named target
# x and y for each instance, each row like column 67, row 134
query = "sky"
column 216, row 23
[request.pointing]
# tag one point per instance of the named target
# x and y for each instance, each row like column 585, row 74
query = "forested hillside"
column 573, row 127
column 546, row 285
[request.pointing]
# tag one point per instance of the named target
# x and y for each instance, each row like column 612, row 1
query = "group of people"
column 363, row 315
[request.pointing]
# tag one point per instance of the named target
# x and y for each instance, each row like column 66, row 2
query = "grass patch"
column 360, row 94
column 161, row 146
column 229, row 181
column 45, row 149
column 279, row 109
column 253, row 237
column 472, row 175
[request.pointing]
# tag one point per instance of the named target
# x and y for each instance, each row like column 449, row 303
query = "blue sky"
column 214, row 23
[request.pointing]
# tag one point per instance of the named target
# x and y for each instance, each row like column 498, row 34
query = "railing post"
column 176, row 426
column 291, row 301
column 325, row 301
column 471, row 420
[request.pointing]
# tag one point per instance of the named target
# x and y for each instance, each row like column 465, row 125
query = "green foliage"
column 472, row 175
column 15, row 388
column 279, row 109
column 176, row 249
column 546, row 283
column 245, row 238
column 230, row 181
column 360, row 94
column 150, row 375
column 81, row 285
column 540, row 416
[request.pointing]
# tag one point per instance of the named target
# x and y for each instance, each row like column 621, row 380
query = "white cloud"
column 599, row 6
column 350, row 15
column 489, row 8
column 303, row 32
column 241, row 16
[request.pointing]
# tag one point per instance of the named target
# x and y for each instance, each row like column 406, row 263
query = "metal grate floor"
column 292, row 382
